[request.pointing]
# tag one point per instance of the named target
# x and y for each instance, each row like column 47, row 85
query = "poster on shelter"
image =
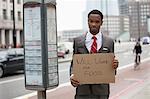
column 94, row 68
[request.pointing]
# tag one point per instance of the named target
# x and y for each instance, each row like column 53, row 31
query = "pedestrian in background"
column 119, row 41
column 92, row 42
column 137, row 50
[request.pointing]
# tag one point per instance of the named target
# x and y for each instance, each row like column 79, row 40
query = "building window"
column 19, row 15
column 18, row 1
column 11, row 1
column 11, row 12
column 4, row 14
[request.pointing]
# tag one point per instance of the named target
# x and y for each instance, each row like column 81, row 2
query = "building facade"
column 138, row 12
column 71, row 34
column 113, row 24
column 116, row 26
column 123, row 7
column 11, row 23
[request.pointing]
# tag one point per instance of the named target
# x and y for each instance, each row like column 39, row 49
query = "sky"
column 70, row 14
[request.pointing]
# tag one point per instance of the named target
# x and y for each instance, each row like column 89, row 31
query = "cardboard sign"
column 94, row 68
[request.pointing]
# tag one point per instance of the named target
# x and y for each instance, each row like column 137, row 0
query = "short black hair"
column 95, row 11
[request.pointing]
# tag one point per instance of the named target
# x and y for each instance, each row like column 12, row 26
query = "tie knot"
column 94, row 37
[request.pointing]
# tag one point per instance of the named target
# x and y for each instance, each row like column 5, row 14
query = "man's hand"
column 115, row 63
column 73, row 81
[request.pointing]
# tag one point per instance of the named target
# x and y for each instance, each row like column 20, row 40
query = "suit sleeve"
column 74, row 52
column 112, row 46
column 113, row 52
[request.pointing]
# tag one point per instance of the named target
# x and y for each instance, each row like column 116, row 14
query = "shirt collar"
column 89, row 35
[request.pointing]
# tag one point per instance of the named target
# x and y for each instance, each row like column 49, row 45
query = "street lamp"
column 138, row 16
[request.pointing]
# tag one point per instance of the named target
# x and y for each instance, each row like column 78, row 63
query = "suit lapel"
column 103, row 42
column 104, row 48
column 86, row 50
column 82, row 43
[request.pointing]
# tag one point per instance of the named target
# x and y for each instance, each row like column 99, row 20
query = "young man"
column 93, row 42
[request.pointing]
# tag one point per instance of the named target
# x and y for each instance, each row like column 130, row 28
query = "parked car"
column 66, row 47
column 145, row 40
column 11, row 61
column 61, row 54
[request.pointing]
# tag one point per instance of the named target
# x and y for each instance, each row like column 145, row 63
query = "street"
column 16, row 82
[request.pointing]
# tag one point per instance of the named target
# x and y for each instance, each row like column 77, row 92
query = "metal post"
column 138, row 21
column 14, row 26
column 41, row 94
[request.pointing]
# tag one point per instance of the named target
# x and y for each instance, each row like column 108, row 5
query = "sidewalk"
column 129, row 84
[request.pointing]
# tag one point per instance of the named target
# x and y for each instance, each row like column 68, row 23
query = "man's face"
column 94, row 22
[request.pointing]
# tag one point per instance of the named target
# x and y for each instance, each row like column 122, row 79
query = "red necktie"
column 94, row 45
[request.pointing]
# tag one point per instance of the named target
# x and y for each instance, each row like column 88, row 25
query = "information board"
column 33, row 52
column 40, row 45
column 52, row 47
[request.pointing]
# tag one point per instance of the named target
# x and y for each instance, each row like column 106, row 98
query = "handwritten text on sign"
column 94, row 68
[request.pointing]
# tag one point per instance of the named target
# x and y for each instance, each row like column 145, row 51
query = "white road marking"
column 35, row 93
column 21, row 78
column 127, row 53
column 8, row 81
column 132, row 79
column 64, row 70
column 129, row 65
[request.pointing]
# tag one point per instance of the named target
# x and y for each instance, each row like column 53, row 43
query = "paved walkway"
column 130, row 84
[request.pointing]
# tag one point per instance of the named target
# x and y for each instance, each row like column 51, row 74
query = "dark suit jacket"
column 80, row 48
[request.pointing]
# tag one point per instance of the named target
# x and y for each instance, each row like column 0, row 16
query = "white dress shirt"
column 89, row 40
